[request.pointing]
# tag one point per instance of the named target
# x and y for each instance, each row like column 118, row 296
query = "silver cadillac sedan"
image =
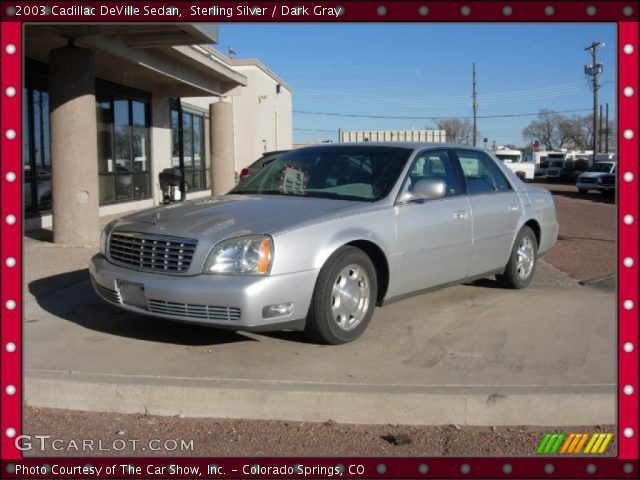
column 322, row 235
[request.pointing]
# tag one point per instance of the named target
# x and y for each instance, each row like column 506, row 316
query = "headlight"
column 104, row 236
column 250, row 255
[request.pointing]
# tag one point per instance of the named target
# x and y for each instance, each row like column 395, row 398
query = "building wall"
column 263, row 117
column 436, row 136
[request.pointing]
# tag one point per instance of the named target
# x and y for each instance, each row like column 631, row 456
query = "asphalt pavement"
column 468, row 355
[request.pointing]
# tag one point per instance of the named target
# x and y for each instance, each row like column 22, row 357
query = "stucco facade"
column 150, row 93
column 262, row 111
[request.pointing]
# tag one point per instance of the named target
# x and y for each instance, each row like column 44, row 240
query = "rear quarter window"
column 481, row 174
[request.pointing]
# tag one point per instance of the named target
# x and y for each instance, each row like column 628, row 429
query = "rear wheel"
column 522, row 262
column 344, row 298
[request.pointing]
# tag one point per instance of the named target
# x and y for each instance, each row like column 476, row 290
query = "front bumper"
column 230, row 301
column 553, row 173
column 595, row 186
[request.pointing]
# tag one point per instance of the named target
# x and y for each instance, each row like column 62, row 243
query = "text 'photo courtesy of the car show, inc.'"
column 319, row 239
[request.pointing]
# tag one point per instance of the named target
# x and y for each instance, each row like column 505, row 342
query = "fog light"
column 277, row 310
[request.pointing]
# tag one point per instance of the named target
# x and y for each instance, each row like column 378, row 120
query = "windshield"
column 509, row 157
column 352, row 172
column 601, row 167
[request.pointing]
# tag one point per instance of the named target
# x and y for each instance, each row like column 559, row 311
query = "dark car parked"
column 260, row 163
column 573, row 168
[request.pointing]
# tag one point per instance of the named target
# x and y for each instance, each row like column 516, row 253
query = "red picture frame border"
column 624, row 465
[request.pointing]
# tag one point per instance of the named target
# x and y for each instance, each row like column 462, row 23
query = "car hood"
column 592, row 174
column 212, row 219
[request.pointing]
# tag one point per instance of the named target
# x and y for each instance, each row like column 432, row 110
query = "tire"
column 343, row 299
column 582, row 191
column 519, row 271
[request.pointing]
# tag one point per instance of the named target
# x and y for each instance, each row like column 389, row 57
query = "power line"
column 443, row 101
column 439, row 117
column 510, row 93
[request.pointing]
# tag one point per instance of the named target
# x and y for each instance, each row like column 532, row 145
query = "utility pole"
column 600, row 131
column 594, row 70
column 475, row 105
column 606, row 135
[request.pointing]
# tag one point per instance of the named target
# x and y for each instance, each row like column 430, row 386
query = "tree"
column 458, row 131
column 555, row 131
column 579, row 131
column 551, row 129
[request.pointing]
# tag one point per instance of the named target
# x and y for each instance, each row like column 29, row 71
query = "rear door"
column 434, row 236
column 495, row 209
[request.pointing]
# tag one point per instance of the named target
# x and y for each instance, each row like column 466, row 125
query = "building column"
column 74, row 153
column 222, row 149
column 160, row 142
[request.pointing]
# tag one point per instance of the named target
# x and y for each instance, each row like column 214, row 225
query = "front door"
column 434, row 236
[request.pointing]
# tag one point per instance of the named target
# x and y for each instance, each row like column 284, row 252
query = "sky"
column 425, row 70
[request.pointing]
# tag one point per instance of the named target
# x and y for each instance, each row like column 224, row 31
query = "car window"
column 481, row 174
column 433, row 164
column 352, row 172
column 601, row 167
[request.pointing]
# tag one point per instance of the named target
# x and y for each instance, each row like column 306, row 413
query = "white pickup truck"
column 513, row 160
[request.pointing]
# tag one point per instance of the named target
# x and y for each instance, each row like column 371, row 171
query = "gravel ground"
column 586, row 249
column 587, row 243
column 222, row 437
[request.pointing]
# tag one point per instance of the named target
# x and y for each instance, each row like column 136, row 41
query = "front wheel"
column 582, row 191
column 344, row 298
column 522, row 262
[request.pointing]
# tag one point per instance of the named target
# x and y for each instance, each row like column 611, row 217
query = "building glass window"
column 123, row 141
column 123, row 145
column 36, row 152
column 187, row 136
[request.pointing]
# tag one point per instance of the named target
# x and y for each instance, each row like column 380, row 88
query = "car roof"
column 410, row 145
column 274, row 152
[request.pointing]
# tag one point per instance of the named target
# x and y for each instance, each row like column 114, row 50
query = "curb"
column 319, row 402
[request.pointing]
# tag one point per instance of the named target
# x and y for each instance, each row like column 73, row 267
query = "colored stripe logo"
column 574, row 443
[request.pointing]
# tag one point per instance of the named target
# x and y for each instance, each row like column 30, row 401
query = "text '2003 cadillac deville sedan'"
column 322, row 235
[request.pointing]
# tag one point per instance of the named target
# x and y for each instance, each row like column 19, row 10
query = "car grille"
column 199, row 312
column 587, row 180
column 106, row 293
column 608, row 181
column 155, row 253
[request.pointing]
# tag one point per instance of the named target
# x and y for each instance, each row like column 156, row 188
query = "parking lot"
column 466, row 355
column 587, row 245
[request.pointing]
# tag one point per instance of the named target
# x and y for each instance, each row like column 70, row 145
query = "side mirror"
column 425, row 189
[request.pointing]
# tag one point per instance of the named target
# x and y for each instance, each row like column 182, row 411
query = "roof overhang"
column 156, row 57
column 137, row 35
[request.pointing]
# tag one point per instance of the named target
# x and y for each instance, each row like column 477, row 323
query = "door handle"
column 513, row 208
column 460, row 214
